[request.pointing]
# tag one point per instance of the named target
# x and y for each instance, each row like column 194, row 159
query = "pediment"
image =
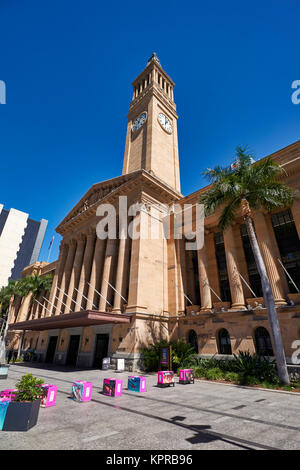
column 107, row 190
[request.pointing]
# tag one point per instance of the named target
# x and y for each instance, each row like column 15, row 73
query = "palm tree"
column 36, row 284
column 33, row 284
column 246, row 187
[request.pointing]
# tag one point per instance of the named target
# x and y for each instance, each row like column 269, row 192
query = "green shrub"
column 266, row 384
column 231, row 377
column 28, row 388
column 199, row 371
column 255, row 366
column 214, row 374
column 244, row 379
column 182, row 355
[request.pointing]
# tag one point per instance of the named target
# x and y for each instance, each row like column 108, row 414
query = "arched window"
column 263, row 343
column 224, row 343
column 193, row 340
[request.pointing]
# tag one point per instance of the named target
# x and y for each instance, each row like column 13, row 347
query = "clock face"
column 165, row 123
column 139, row 121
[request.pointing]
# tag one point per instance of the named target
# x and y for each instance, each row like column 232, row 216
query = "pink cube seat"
column 49, row 393
column 166, row 378
column 8, row 394
column 186, row 376
column 81, row 390
column 112, row 387
column 137, row 383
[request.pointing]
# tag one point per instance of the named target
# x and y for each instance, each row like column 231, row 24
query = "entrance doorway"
column 73, row 350
column 101, row 349
column 224, row 342
column 51, row 349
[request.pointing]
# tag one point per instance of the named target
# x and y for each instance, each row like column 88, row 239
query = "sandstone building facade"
column 116, row 296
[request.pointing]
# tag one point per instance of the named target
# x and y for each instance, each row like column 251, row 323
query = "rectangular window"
column 222, row 267
column 289, row 245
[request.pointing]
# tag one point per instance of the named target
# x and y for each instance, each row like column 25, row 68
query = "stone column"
column 63, row 251
column 75, row 273
column 63, row 285
column 236, row 287
column 86, row 269
column 120, row 268
column 270, row 252
column 241, row 259
column 110, row 252
column 23, row 310
column 296, row 214
column 205, row 292
column 96, row 274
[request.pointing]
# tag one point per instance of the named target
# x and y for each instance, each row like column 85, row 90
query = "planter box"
column 186, row 376
column 48, row 397
column 112, row 387
column 136, row 383
column 255, row 301
column 166, row 378
column 295, row 298
column 3, row 371
column 21, row 416
column 82, row 391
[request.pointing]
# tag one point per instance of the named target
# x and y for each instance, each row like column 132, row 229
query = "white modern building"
column 21, row 240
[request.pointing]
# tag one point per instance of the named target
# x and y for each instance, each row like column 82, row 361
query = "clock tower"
column 151, row 141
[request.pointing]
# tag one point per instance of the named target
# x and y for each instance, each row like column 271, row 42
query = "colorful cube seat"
column 186, row 376
column 137, row 383
column 8, row 394
column 166, row 378
column 82, row 391
column 112, row 387
column 48, row 397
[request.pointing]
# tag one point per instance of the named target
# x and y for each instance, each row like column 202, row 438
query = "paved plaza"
column 190, row 417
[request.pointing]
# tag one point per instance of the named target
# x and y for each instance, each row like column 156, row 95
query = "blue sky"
column 68, row 67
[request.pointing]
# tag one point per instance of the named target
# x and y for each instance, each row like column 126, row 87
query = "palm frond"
column 229, row 213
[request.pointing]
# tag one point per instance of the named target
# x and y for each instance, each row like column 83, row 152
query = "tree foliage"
column 256, row 183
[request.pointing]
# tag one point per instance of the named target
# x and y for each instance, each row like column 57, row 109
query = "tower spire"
column 153, row 57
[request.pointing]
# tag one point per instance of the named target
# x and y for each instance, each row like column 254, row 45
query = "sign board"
column 166, row 358
column 120, row 364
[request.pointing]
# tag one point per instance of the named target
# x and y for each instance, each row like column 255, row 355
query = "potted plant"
column 23, row 411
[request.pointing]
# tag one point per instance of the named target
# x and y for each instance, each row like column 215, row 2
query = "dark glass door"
column 73, row 350
column 101, row 349
column 51, row 349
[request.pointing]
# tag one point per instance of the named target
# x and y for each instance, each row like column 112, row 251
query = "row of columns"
column 85, row 264
column 236, row 263
column 155, row 77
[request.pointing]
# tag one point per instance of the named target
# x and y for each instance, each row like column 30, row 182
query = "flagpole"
column 50, row 248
